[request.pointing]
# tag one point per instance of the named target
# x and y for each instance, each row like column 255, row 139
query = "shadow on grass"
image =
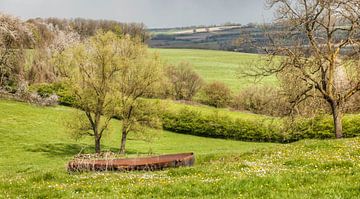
column 66, row 150
column 60, row 149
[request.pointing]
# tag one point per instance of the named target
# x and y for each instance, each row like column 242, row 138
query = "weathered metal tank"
column 132, row 164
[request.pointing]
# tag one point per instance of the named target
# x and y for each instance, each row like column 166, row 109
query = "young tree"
column 184, row 80
column 319, row 47
column 136, row 80
column 91, row 69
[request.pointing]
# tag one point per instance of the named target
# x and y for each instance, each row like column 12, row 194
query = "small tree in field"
column 317, row 46
column 134, row 81
column 91, row 69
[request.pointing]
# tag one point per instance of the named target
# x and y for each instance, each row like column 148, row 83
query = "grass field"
column 35, row 149
column 216, row 65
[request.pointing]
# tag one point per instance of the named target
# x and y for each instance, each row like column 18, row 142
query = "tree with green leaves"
column 91, row 68
column 136, row 80
column 109, row 74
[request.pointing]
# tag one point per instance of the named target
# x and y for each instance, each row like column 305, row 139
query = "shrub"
column 322, row 127
column 62, row 90
column 184, row 81
column 216, row 94
column 222, row 126
column 217, row 125
column 264, row 100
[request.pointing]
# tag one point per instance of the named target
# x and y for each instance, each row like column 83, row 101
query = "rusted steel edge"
column 133, row 164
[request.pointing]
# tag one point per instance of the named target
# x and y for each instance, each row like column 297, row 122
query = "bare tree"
column 318, row 47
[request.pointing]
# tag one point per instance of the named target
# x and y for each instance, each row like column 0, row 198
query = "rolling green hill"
column 35, row 148
column 216, row 65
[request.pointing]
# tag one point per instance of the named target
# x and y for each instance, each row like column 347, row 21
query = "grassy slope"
column 215, row 65
column 35, row 149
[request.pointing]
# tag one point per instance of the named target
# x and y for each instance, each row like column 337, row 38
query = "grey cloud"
column 154, row 13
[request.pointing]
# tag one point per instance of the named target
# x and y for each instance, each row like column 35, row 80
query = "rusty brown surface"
column 131, row 164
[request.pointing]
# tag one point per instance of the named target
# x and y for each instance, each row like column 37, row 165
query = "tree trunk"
column 97, row 145
column 337, row 117
column 123, row 140
column 97, row 124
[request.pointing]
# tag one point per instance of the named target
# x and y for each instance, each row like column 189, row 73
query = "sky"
column 153, row 13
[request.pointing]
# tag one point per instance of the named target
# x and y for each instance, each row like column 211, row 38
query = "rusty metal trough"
column 132, row 164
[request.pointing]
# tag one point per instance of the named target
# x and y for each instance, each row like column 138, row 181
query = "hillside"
column 211, row 38
column 215, row 65
column 35, row 149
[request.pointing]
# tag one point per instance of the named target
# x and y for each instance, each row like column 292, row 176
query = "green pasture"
column 35, row 148
column 215, row 65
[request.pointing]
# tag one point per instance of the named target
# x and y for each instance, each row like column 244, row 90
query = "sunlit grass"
column 35, row 148
column 215, row 65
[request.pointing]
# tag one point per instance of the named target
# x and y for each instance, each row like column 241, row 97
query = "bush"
column 221, row 126
column 184, row 81
column 264, row 100
column 62, row 90
column 217, row 125
column 322, row 127
column 272, row 101
column 216, row 94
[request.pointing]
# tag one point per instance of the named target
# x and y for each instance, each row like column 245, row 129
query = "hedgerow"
column 217, row 125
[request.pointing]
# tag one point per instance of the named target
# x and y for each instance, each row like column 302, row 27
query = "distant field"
column 216, row 65
column 35, row 148
column 191, row 30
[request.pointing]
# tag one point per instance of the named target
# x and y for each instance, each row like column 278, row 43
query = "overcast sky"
column 153, row 13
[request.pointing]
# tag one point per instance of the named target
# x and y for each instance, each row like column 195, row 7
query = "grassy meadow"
column 216, row 65
column 35, row 148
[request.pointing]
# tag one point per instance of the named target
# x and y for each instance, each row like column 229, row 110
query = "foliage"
column 216, row 94
column 88, row 27
column 14, row 37
column 265, row 100
column 222, row 126
column 190, row 121
column 41, row 70
column 64, row 92
column 184, row 81
column 108, row 75
column 135, row 80
column 90, row 68
column 145, row 114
